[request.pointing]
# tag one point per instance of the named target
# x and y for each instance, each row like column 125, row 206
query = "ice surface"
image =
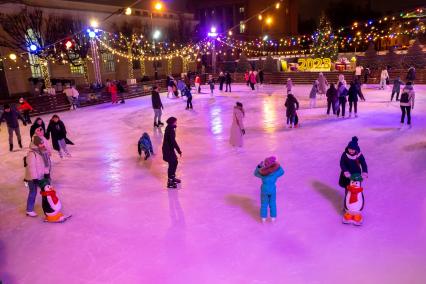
column 127, row 228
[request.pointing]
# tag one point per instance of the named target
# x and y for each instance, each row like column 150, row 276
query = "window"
column 108, row 62
column 77, row 67
column 35, row 66
column 242, row 27
column 241, row 10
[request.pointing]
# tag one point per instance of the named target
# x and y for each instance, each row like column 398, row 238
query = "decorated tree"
column 243, row 64
column 324, row 43
column 392, row 59
column 371, row 58
column 415, row 56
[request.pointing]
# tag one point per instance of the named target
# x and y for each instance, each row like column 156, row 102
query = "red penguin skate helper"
column 354, row 201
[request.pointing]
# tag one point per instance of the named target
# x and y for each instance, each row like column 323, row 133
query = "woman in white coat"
column 383, row 77
column 237, row 127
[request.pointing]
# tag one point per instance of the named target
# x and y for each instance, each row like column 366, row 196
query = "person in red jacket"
column 112, row 89
column 25, row 108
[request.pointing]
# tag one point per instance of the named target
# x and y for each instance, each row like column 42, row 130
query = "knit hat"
column 356, row 177
column 42, row 183
column 354, row 144
column 171, row 120
column 269, row 161
column 239, row 104
column 37, row 140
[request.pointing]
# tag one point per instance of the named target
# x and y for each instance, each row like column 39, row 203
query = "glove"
column 243, row 131
column 347, row 174
column 364, row 175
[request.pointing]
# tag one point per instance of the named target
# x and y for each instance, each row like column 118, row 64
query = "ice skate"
column 171, row 184
column 160, row 123
column 176, row 180
column 11, row 147
column 20, row 144
column 31, row 214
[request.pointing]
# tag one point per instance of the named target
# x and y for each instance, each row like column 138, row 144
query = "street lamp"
column 128, row 11
column 213, row 34
column 155, row 36
column 158, row 6
column 94, row 23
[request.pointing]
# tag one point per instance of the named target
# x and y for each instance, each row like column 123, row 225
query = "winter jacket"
column 211, row 84
column 144, row 144
column 156, row 100
column 261, row 75
column 35, row 125
column 354, row 93
column 228, row 78
column 322, row 84
column 25, row 106
column 354, row 164
column 332, row 95
column 397, row 85
column 342, row 92
column 58, row 132
column 289, row 85
column 252, row 78
column 292, row 105
column 411, row 74
column 237, row 127
column 384, row 74
column 314, row 91
column 186, row 92
column 411, row 96
column 170, row 144
column 35, row 168
column 11, row 118
column 268, row 182
column 198, row 80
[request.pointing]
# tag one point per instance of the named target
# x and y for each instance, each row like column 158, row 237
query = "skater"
column 57, row 129
column 72, row 96
column 237, row 127
column 246, row 78
column 269, row 171
column 197, row 83
column 354, row 201
column 292, row 105
column 121, row 91
column 407, row 103
column 169, row 155
column 157, row 105
column 396, row 89
column 221, row 81
column 342, row 92
column 211, row 84
column 186, row 92
column 353, row 94
column 252, row 80
column 112, row 89
column 384, row 76
column 367, row 73
column 145, row 145
column 332, row 99
column 358, row 72
column 228, row 81
column 322, row 84
column 261, row 77
column 411, row 75
column 41, row 134
column 25, row 108
column 37, row 124
column 37, row 167
column 11, row 116
column 51, row 204
column 313, row 94
column 289, row 85
column 341, row 79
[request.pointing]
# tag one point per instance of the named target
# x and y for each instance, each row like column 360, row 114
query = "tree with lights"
column 371, row 56
column 324, row 43
column 415, row 56
column 392, row 59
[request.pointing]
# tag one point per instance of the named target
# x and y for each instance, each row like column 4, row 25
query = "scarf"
column 44, row 155
column 269, row 170
column 353, row 191
column 50, row 193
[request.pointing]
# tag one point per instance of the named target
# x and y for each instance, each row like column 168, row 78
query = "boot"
column 20, row 144
column 10, row 147
column 155, row 124
column 171, row 184
column 160, row 123
column 176, row 180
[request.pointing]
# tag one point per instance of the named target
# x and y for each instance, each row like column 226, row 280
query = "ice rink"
column 128, row 228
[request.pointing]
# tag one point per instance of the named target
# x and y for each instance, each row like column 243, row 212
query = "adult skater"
column 384, row 76
column 37, row 167
column 37, row 123
column 252, row 80
column 289, row 85
column 353, row 94
column 57, row 129
column 11, row 116
column 221, row 80
column 358, row 72
column 246, row 78
column 341, row 79
column 352, row 162
column 396, row 89
column 157, row 105
column 228, row 81
column 72, row 96
column 211, row 84
column 322, row 83
column 367, row 73
column 313, row 94
column 169, row 154
column 237, row 127
column 292, row 105
column 407, row 103
column 332, row 98
column 261, row 77
column 198, row 83
column 411, row 74
column 25, row 108
column 39, row 132
column 342, row 92
column 112, row 89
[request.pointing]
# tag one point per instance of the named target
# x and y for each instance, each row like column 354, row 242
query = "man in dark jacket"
column 228, row 81
column 157, row 105
column 169, row 154
column 11, row 116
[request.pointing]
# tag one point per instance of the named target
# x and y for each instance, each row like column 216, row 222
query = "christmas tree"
column 324, row 42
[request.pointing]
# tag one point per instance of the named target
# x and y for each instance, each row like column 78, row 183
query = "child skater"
column 186, row 92
column 292, row 105
column 211, row 84
column 269, row 171
column 145, row 145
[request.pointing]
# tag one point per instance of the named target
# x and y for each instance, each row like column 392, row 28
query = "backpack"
column 405, row 97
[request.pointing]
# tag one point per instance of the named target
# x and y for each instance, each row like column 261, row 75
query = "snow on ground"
column 127, row 228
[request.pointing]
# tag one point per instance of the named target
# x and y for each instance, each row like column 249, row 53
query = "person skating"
column 367, row 73
column 221, row 81
column 358, row 72
column 169, row 154
column 37, row 167
column 198, row 83
column 211, row 84
column 237, row 126
column 289, row 85
column 269, row 171
column 57, row 130
column 157, row 105
column 246, row 78
column 252, row 80
column 332, row 99
column 411, row 75
column 353, row 94
column 352, row 161
column 37, row 123
column 261, row 77
column 407, row 103
column 121, row 91
column 11, row 116
column 145, row 145
column 384, row 76
column 292, row 105
column 342, row 92
column 72, row 96
column 341, row 80
column 25, row 108
column 322, row 84
column 228, row 81
column 112, row 89
column 396, row 89
column 313, row 94
column 186, row 92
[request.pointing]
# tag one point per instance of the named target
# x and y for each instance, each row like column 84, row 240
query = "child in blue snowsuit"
column 269, row 171
column 145, row 145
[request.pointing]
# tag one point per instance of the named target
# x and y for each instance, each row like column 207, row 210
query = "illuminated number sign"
column 314, row 64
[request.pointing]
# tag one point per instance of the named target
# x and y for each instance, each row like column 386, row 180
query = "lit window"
column 76, row 67
column 108, row 62
column 242, row 10
column 35, row 66
column 242, row 27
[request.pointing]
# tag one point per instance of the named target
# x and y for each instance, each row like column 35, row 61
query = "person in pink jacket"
column 237, row 127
